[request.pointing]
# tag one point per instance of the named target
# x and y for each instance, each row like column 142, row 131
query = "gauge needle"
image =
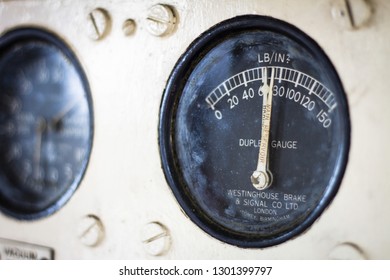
column 38, row 146
column 69, row 107
column 262, row 177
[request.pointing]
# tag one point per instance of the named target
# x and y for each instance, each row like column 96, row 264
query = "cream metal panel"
column 124, row 186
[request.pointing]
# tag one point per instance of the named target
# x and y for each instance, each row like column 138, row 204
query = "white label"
column 15, row 250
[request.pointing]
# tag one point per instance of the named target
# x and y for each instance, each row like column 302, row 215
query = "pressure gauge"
column 46, row 123
column 254, row 131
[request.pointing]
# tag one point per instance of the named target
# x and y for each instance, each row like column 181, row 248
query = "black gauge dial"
column 254, row 131
column 46, row 123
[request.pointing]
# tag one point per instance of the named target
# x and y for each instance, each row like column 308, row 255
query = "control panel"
column 257, row 129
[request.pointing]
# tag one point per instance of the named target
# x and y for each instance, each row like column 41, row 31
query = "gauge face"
column 46, row 123
column 254, row 131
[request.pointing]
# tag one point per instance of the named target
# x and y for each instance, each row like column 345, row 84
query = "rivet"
column 128, row 27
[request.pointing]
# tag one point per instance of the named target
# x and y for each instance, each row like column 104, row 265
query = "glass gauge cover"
column 46, row 123
column 254, row 131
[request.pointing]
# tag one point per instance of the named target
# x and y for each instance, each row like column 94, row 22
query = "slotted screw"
column 90, row 231
column 98, row 24
column 161, row 20
column 156, row 239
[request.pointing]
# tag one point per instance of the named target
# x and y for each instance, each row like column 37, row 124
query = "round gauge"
column 46, row 123
column 254, row 131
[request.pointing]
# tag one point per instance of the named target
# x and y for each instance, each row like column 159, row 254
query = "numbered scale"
column 254, row 131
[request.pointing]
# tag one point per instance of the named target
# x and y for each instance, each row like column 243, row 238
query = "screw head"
column 347, row 251
column 90, row 231
column 260, row 180
column 161, row 20
column 128, row 27
column 156, row 239
column 98, row 24
column 351, row 14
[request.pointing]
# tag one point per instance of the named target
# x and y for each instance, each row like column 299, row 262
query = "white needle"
column 262, row 177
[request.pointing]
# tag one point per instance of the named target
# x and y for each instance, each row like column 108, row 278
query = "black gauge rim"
column 171, row 96
column 28, row 34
